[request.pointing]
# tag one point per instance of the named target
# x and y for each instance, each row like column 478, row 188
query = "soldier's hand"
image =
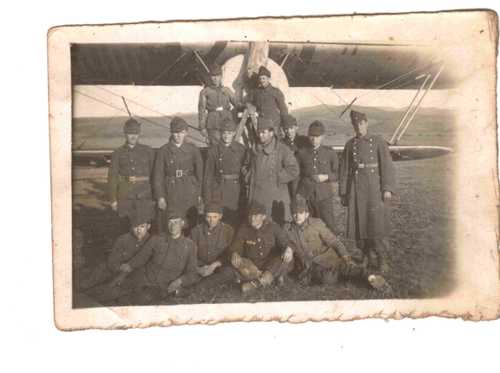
column 343, row 201
column 266, row 278
column 287, row 255
column 114, row 205
column 205, row 271
column 204, row 133
column 125, row 267
column 387, row 196
column 215, row 265
column 236, row 260
column 162, row 204
column 174, row 285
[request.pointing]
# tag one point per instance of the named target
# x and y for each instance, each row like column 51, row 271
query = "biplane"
column 294, row 65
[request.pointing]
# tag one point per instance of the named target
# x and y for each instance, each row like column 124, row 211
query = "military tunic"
column 270, row 103
column 319, row 195
column 213, row 245
column 366, row 172
column 295, row 145
column 271, row 168
column 129, row 177
column 177, row 178
column 222, row 181
column 263, row 246
column 314, row 242
column 214, row 107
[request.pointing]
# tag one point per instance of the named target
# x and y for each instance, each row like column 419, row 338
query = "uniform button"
column 373, row 171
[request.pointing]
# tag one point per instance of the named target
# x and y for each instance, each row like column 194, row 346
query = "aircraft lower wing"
column 398, row 152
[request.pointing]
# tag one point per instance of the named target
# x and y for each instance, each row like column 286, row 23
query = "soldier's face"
column 141, row 230
column 216, row 79
column 300, row 217
column 179, row 136
column 265, row 136
column 212, row 219
column 227, row 136
column 264, row 80
column 256, row 220
column 175, row 227
column 361, row 128
column 291, row 132
column 316, row 140
column 132, row 138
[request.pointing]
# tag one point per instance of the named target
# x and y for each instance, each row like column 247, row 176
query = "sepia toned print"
column 271, row 173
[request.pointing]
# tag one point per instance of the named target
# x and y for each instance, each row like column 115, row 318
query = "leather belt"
column 367, row 165
column 230, row 176
column 134, row 179
column 181, row 173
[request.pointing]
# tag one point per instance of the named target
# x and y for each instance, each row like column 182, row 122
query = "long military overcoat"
column 366, row 172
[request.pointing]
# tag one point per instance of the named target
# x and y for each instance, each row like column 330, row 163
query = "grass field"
column 421, row 256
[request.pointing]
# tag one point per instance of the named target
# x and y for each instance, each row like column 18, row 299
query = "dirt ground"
column 420, row 257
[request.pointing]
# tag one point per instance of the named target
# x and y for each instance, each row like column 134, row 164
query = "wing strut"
column 414, row 106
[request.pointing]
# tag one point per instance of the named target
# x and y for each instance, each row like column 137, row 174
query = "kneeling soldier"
column 320, row 256
column 212, row 239
column 260, row 251
column 130, row 252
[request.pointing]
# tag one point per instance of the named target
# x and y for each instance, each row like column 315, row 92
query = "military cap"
column 357, row 117
column 299, row 204
column 264, row 71
column 288, row 121
column 178, row 124
column 264, row 124
column 143, row 214
column 173, row 213
column 316, row 128
column 213, row 206
column 132, row 126
column 215, row 70
column 228, row 125
column 257, row 208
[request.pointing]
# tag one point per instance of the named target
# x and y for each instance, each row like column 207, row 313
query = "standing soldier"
column 222, row 181
column 212, row 238
column 367, row 182
column 261, row 251
column 272, row 166
column 178, row 174
column 129, row 175
column 294, row 141
column 318, row 171
column 268, row 100
column 214, row 106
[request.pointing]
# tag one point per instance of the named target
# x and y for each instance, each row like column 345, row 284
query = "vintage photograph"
column 228, row 168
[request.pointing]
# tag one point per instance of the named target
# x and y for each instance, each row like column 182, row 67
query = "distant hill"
column 429, row 127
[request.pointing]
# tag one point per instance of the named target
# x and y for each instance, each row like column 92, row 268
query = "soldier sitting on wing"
column 129, row 175
column 261, row 251
column 212, row 239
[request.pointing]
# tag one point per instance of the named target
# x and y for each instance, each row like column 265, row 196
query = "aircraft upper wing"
column 342, row 65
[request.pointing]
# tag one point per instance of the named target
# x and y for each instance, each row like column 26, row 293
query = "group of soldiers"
column 268, row 210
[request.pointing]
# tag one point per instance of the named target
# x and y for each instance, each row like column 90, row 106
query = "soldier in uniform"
column 130, row 252
column 222, row 181
column 214, row 106
column 272, row 166
column 212, row 239
column 318, row 171
column 367, row 183
column 261, row 251
column 178, row 174
column 129, row 175
column 268, row 100
column 320, row 256
column 294, row 141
